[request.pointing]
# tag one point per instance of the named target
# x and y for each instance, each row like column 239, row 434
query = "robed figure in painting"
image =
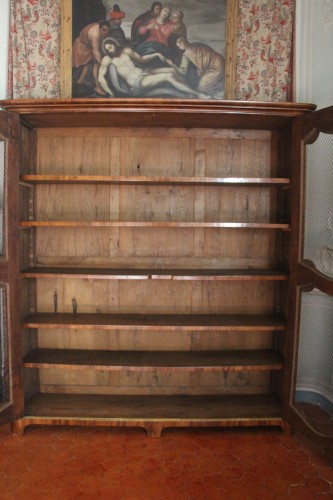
column 142, row 20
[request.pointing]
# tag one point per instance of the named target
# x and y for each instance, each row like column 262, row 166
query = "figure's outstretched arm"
column 95, row 44
column 183, row 67
column 146, row 58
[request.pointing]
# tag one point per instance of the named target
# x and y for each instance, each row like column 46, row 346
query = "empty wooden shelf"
column 150, row 261
column 156, row 274
column 145, row 180
column 155, row 224
column 154, row 413
column 191, row 322
column 150, row 361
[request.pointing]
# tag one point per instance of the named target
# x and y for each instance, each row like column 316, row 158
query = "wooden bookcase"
column 153, row 266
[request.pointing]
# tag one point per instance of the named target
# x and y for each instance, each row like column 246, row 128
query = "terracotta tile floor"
column 83, row 463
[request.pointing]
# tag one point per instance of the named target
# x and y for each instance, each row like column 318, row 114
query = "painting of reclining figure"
column 143, row 49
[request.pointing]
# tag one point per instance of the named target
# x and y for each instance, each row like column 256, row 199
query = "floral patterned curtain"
column 34, row 62
column 264, row 49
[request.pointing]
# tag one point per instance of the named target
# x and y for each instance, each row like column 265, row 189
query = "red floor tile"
column 123, row 464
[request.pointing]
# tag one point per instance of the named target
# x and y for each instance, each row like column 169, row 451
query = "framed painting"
column 137, row 48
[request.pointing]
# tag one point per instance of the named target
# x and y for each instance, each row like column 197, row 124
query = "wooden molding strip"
column 129, row 180
column 156, row 322
column 156, row 274
column 174, row 224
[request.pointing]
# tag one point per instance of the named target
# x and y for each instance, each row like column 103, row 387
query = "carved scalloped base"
column 152, row 427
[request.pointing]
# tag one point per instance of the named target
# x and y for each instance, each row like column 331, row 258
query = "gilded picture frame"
column 200, row 34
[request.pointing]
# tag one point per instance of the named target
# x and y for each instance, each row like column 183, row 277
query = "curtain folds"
column 34, row 49
column 265, row 50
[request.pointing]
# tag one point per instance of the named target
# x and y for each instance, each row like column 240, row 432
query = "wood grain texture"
column 151, row 361
column 205, row 225
column 154, row 180
column 11, row 393
column 156, row 113
column 154, row 407
column 152, row 413
column 173, row 239
column 156, row 174
column 156, row 274
column 231, row 49
column 156, row 322
column 66, row 49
